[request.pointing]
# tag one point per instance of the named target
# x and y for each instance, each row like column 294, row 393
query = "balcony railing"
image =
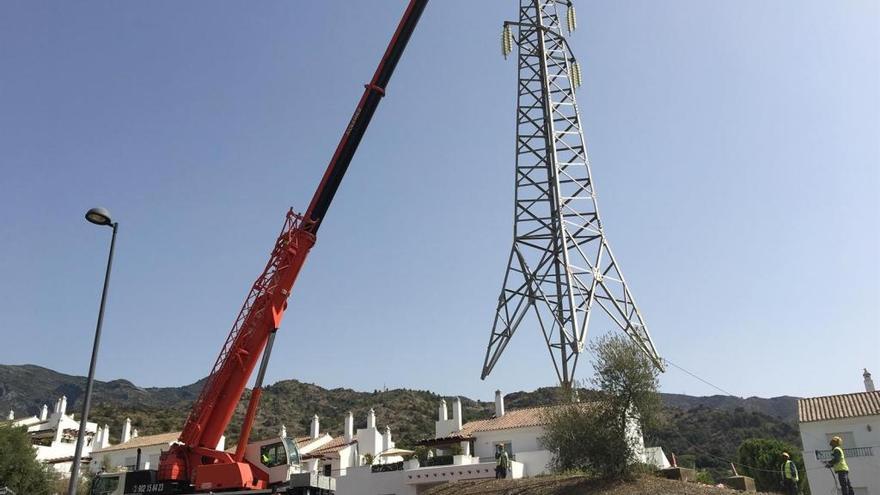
column 825, row 455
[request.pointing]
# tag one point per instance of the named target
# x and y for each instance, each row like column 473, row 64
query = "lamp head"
column 99, row 216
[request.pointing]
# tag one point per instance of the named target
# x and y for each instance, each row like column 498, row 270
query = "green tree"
column 19, row 468
column 761, row 458
column 594, row 436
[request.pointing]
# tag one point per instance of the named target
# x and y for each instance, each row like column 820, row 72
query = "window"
column 105, row 485
column 507, row 445
column 292, row 451
column 273, row 455
column 328, row 469
column 849, row 441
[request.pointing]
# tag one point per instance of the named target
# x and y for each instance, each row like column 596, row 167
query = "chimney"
column 315, row 430
column 44, row 412
column 499, row 404
column 443, row 416
column 869, row 383
column 348, row 427
column 104, row 441
column 57, row 405
column 283, row 432
column 371, row 418
column 456, row 413
column 62, row 408
column 59, row 432
column 386, row 439
column 11, row 415
column 126, row 431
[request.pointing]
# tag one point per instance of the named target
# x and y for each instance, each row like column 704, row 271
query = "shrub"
column 595, row 436
column 761, row 458
column 19, row 468
column 439, row 460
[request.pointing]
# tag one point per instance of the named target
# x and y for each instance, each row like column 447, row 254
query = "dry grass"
column 576, row 485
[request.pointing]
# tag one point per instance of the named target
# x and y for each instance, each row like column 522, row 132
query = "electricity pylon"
column 561, row 262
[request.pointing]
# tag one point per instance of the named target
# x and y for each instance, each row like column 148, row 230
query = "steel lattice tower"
column 561, row 262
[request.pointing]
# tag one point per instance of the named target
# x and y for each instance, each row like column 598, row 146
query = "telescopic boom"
column 196, row 461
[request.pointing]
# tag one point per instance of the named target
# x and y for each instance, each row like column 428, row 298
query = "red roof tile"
column 335, row 445
column 839, row 406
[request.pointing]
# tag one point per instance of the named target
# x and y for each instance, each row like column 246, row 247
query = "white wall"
column 519, row 439
column 524, row 444
column 864, row 472
column 125, row 457
column 362, row 481
column 369, row 441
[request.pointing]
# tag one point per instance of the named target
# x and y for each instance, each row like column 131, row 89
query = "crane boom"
column 195, row 460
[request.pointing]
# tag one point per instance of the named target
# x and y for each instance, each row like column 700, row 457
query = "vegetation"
column 595, row 435
column 761, row 458
column 706, row 438
column 19, row 468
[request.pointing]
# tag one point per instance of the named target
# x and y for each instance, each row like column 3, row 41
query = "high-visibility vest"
column 841, row 464
column 787, row 471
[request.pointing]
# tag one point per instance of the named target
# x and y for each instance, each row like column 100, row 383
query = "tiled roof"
column 303, row 441
column 839, row 406
column 517, row 418
column 144, row 441
column 335, row 445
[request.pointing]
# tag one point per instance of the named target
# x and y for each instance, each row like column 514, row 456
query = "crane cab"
column 277, row 457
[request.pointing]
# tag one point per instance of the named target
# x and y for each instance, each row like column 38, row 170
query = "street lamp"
column 97, row 216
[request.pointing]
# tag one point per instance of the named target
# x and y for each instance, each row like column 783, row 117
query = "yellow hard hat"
column 836, row 441
column 785, row 454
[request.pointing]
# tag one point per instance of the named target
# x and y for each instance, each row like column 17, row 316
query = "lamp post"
column 97, row 216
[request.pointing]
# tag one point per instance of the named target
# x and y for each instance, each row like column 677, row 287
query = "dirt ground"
column 576, row 485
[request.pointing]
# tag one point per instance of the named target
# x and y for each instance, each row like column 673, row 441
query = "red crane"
column 195, row 460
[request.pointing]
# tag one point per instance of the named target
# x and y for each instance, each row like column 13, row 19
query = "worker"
column 502, row 462
column 838, row 465
column 789, row 475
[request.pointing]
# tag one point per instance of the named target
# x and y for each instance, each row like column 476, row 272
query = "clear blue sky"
column 734, row 147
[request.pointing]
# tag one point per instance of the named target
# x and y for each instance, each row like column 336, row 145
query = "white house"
column 855, row 418
column 54, row 436
column 519, row 431
column 466, row 451
column 340, row 454
column 133, row 452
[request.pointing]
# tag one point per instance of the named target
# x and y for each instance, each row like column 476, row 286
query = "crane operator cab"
column 277, row 457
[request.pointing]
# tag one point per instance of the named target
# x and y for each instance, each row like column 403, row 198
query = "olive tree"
column 597, row 435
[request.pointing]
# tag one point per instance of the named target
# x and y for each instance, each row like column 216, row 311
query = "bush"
column 594, row 436
column 705, row 477
column 384, row 468
column 19, row 468
column 439, row 460
column 761, row 458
